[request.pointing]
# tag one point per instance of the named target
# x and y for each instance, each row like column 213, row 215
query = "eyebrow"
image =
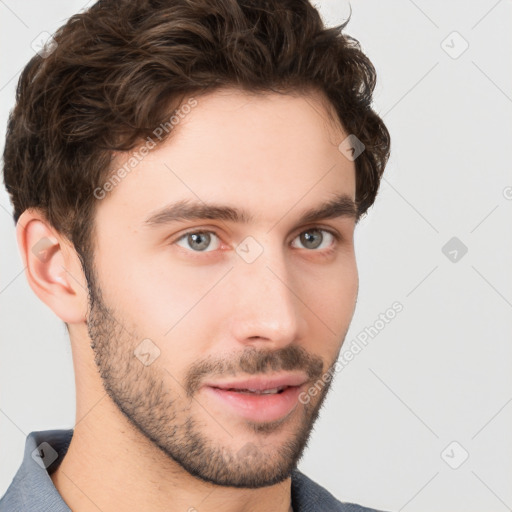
column 340, row 206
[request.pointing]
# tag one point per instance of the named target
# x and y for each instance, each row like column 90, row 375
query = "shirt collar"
column 32, row 488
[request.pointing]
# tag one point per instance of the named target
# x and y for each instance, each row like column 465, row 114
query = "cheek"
column 174, row 307
column 155, row 292
column 330, row 296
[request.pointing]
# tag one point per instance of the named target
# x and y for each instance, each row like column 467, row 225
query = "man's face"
column 183, row 307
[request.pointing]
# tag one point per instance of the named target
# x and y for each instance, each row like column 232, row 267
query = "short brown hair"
column 122, row 67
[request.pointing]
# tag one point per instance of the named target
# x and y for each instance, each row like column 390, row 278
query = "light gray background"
column 440, row 371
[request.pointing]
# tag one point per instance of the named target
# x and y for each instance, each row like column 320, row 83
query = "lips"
column 261, row 384
column 260, row 399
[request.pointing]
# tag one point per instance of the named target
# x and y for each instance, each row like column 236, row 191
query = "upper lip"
column 263, row 382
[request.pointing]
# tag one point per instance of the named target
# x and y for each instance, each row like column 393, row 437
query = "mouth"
column 274, row 391
column 258, row 399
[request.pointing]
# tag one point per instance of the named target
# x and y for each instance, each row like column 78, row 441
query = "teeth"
column 260, row 392
column 266, row 391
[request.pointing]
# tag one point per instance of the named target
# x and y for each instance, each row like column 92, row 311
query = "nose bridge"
column 265, row 305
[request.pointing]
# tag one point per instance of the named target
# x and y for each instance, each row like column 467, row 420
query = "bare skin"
column 147, row 437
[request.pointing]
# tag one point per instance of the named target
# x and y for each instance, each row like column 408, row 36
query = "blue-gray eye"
column 197, row 240
column 311, row 239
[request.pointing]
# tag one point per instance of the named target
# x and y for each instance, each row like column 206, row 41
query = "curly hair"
column 121, row 68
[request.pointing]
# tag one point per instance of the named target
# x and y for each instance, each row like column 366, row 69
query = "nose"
column 266, row 307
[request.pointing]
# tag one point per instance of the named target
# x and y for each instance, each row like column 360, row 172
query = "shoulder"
column 309, row 496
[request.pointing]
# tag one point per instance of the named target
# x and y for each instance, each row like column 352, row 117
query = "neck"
column 110, row 466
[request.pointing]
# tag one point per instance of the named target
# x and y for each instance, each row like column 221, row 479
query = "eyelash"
column 337, row 237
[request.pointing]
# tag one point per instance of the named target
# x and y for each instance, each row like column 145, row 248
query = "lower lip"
column 259, row 407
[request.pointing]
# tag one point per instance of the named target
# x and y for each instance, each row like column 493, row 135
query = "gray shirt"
column 32, row 489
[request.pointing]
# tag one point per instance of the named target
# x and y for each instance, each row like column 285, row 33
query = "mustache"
column 253, row 361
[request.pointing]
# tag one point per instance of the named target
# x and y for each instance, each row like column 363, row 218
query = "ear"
column 52, row 267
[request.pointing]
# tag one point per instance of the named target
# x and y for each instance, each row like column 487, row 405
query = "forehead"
column 262, row 152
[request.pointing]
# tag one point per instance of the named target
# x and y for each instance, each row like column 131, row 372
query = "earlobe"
column 52, row 267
